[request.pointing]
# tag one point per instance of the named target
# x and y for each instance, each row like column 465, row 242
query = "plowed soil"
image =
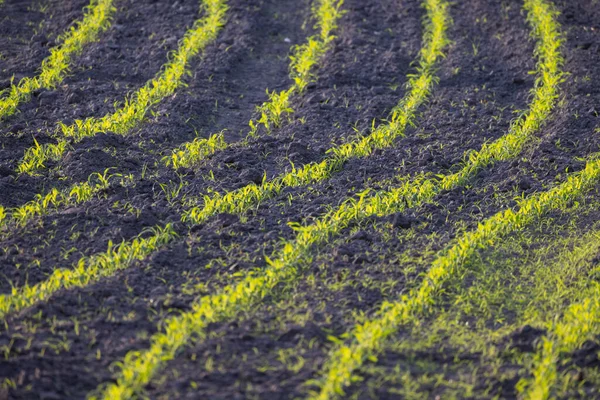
column 64, row 348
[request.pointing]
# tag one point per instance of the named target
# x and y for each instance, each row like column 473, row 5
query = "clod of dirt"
column 5, row 171
column 224, row 220
column 344, row 250
column 506, row 388
column 427, row 159
column 402, row 221
column 80, row 164
column 308, row 332
column 362, row 235
column 525, row 183
column 525, row 339
column 104, row 140
column 587, row 355
column 251, row 175
column 74, row 97
column 48, row 98
column 16, row 128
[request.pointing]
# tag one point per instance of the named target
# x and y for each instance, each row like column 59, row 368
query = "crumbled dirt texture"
column 484, row 80
column 28, row 30
column 122, row 60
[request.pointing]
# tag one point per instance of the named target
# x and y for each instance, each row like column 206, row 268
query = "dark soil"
column 64, row 348
column 28, row 30
column 126, row 56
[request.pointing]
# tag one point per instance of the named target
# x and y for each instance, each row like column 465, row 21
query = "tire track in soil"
column 239, row 336
column 97, row 222
column 222, row 94
column 99, row 217
column 344, row 65
column 318, row 124
column 252, row 64
column 128, row 54
column 327, row 112
column 28, row 31
column 573, row 60
column 250, row 160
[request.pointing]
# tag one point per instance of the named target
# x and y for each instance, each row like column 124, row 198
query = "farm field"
column 314, row 199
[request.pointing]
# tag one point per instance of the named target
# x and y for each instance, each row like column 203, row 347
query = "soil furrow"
column 130, row 53
column 64, row 347
column 100, row 211
column 364, row 34
column 89, row 236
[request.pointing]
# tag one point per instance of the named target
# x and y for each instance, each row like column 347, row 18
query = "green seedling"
column 56, row 66
column 135, row 108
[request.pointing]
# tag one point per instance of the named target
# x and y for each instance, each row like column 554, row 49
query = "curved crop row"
column 367, row 338
column 88, row 270
column 432, row 41
column 579, row 323
column 138, row 368
column 203, row 32
column 523, row 279
column 272, row 112
column 56, row 65
column 54, row 199
column 549, row 75
column 403, row 114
